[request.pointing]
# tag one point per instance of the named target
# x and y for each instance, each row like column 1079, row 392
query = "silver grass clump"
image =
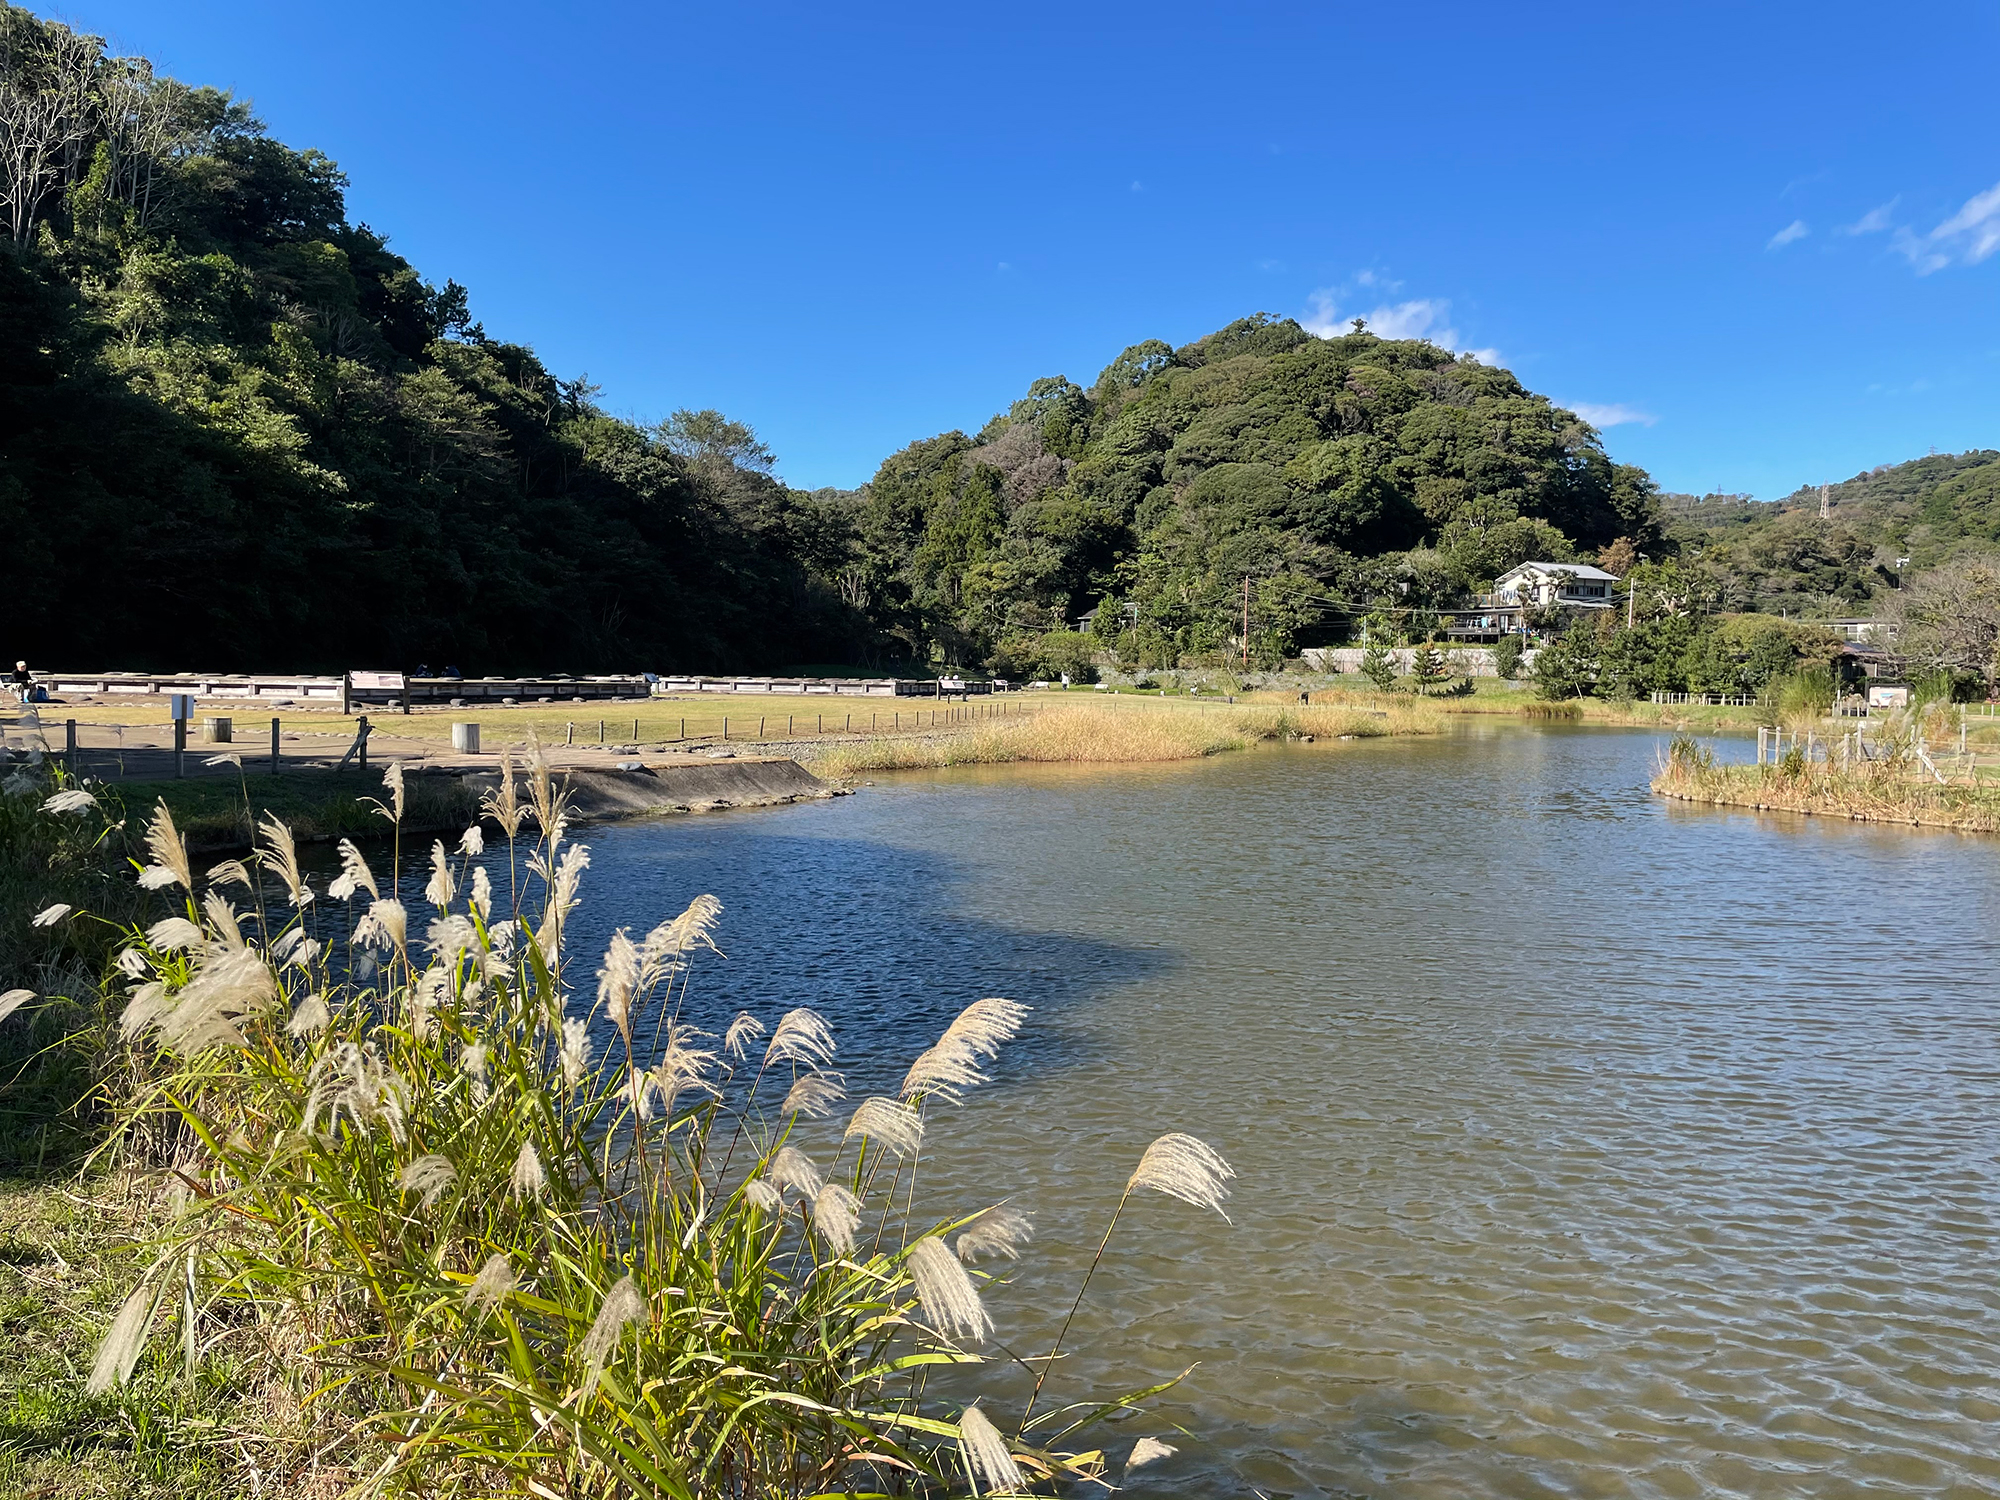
column 623, row 1306
column 743, row 1031
column 118, row 1355
column 281, row 854
column 943, row 1073
column 987, row 1454
column 472, row 842
column 949, row 1298
column 353, row 1079
column 231, row 872
column 354, row 874
column 490, row 1287
column 13, row 1000
column 473, row 1060
column 802, row 1037
column 763, row 1196
column 69, row 800
column 49, row 915
column 1185, row 1168
column 889, row 1123
column 669, row 946
column 574, row 1056
column 836, row 1215
column 222, row 918
column 792, row 1169
column 528, row 1179
column 169, row 850
column 618, row 981
column 999, row 1231
column 815, row 1095
column 175, row 934
column 132, row 963
column 429, row 1177
column 210, row 1009
column 1146, row 1451
column 481, row 899
column 309, row 1017
column 441, row 888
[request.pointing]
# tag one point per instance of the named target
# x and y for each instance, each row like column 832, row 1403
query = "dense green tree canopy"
column 237, row 431
column 1333, row 474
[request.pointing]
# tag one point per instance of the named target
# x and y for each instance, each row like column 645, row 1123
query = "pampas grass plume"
column 491, row 1286
column 889, row 1123
column 802, row 1037
column 987, row 1454
column 836, row 1215
column 1185, row 1168
column 999, row 1231
column 623, row 1306
column 48, row 916
column 949, row 1298
column 814, row 1095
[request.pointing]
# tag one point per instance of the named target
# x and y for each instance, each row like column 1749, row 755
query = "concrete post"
column 465, row 738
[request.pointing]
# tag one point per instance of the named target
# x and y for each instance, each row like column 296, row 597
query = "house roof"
column 1574, row 570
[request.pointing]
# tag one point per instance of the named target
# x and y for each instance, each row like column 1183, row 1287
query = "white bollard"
column 465, row 738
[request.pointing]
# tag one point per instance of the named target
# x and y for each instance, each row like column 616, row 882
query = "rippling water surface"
column 1588, row 1145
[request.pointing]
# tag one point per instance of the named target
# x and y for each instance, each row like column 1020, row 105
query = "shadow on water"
column 873, row 936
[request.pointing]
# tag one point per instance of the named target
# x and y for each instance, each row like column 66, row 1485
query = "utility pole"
column 1246, row 622
column 1826, row 502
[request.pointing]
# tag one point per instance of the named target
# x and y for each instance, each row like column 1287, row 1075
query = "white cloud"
column 1419, row 318
column 1874, row 221
column 1967, row 237
column 1796, row 230
column 1612, row 414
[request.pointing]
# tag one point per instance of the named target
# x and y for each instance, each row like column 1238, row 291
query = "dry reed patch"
column 1133, row 731
column 1873, row 794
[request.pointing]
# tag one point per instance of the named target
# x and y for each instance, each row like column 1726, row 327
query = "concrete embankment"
column 684, row 786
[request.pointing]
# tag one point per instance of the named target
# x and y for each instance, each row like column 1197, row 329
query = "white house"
column 1577, row 585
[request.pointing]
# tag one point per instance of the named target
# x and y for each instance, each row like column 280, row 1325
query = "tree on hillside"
column 1950, row 617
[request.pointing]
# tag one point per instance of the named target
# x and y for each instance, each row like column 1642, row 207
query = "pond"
column 1588, row 1144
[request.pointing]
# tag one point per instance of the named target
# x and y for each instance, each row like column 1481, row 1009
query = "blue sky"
column 1756, row 243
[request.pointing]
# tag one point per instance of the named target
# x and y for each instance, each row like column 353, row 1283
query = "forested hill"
column 1330, row 473
column 1893, row 521
column 238, row 432
column 1926, row 509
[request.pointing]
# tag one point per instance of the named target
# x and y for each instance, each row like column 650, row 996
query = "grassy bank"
column 1109, row 730
column 1891, row 791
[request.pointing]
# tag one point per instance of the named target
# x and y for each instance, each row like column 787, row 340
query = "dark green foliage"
column 1566, row 667
column 1378, row 667
column 1333, row 474
column 1427, row 667
column 1507, row 655
column 238, row 432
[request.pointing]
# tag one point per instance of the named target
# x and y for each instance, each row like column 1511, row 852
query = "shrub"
column 1427, row 667
column 1566, row 667
column 525, row 1245
column 1068, row 651
column 1507, row 656
column 1378, row 667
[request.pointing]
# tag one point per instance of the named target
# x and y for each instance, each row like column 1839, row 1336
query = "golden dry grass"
column 1873, row 793
column 1128, row 729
